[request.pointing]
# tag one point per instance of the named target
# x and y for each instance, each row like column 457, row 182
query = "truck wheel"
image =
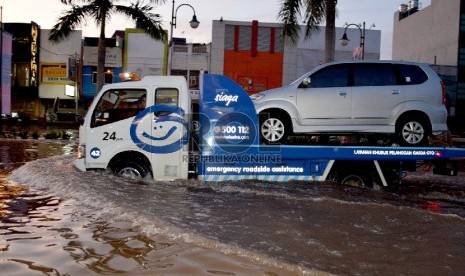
column 412, row 131
column 274, row 129
column 354, row 179
column 131, row 170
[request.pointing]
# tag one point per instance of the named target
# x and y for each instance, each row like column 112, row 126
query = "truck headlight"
column 81, row 151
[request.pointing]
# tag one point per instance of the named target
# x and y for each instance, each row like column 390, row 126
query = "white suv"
column 389, row 97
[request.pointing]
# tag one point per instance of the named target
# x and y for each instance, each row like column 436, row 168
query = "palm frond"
column 101, row 10
column 157, row 2
column 145, row 19
column 67, row 23
column 315, row 12
column 289, row 14
column 72, row 2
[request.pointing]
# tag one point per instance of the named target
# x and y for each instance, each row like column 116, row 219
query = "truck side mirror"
column 305, row 83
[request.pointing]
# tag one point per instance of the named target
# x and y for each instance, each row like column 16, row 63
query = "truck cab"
column 138, row 129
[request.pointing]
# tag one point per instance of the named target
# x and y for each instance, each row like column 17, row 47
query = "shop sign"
column 54, row 73
column 113, row 57
column 34, row 54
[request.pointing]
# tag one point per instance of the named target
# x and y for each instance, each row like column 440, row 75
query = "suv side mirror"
column 305, row 83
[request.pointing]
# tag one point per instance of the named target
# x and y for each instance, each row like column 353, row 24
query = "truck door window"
column 116, row 105
column 166, row 96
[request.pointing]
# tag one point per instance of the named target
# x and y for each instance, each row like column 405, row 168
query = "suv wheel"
column 274, row 128
column 412, row 132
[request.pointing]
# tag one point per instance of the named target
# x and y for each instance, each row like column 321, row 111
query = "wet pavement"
column 57, row 220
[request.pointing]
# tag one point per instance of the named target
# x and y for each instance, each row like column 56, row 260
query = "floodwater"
column 56, row 220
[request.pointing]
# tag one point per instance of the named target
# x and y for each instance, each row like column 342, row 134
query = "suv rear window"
column 411, row 74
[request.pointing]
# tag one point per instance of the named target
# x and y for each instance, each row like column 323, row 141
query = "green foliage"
column 52, row 134
column 35, row 135
column 65, row 135
column 14, row 132
column 24, row 134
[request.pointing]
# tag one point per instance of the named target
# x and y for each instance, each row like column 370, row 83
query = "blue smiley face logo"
column 160, row 129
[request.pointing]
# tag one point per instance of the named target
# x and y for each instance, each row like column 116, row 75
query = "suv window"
column 411, row 74
column 374, row 75
column 331, row 76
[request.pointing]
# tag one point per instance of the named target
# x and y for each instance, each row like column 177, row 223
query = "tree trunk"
column 330, row 30
column 101, row 55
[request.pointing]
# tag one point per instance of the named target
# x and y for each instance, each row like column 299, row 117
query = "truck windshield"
column 117, row 105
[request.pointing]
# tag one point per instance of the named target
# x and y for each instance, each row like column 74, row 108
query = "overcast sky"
column 381, row 13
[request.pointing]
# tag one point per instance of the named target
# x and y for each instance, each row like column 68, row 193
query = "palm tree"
column 314, row 12
column 101, row 11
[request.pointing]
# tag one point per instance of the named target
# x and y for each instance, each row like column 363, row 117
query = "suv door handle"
column 395, row 92
column 342, row 93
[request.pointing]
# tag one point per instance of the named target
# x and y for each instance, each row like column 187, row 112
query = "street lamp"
column 344, row 40
column 194, row 23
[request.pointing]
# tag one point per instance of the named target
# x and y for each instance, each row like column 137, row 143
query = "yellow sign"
column 34, row 36
column 54, row 72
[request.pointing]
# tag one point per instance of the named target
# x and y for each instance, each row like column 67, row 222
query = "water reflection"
column 50, row 230
column 45, row 234
column 94, row 222
column 16, row 152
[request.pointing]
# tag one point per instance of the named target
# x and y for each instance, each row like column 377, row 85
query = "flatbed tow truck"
column 217, row 139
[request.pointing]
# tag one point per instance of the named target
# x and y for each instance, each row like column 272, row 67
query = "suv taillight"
column 444, row 93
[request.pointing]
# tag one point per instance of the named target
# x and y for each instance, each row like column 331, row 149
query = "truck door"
column 107, row 132
column 161, row 131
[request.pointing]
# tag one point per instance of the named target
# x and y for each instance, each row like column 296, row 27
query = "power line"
column 53, row 53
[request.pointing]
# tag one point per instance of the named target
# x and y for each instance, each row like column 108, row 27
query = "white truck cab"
column 138, row 129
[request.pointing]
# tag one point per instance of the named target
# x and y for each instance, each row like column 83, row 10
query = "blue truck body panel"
column 230, row 148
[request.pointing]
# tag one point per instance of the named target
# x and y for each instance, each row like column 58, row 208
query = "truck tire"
column 274, row 128
column 359, row 174
column 355, row 179
column 130, row 170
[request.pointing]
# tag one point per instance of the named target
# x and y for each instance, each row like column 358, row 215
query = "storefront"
column 24, row 75
column 113, row 65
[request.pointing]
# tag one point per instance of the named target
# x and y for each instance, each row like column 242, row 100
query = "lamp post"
column 194, row 23
column 344, row 40
column 75, row 59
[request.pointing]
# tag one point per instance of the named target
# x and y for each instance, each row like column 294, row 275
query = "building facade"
column 141, row 53
column 57, row 86
column 190, row 60
column 113, row 65
column 6, row 45
column 436, row 35
column 25, row 68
